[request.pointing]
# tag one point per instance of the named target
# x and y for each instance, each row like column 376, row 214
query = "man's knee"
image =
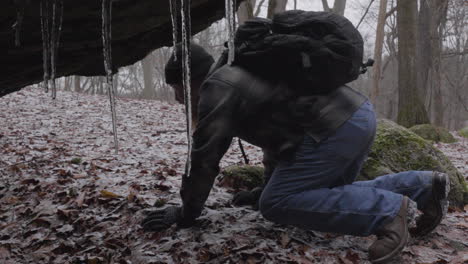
column 268, row 205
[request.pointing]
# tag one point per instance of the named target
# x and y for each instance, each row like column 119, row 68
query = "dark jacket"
column 236, row 103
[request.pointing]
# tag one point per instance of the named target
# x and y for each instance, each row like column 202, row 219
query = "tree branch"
column 365, row 13
column 257, row 12
column 391, row 11
column 450, row 54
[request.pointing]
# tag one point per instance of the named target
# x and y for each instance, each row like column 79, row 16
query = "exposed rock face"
column 395, row 149
column 138, row 27
column 433, row 133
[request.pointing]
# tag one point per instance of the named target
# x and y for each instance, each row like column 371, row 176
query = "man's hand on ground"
column 160, row 220
column 247, row 197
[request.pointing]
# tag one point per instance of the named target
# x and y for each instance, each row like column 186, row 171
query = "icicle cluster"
column 51, row 27
column 173, row 10
column 230, row 7
column 107, row 52
column 186, row 58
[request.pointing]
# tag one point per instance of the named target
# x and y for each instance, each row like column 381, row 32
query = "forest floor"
column 66, row 197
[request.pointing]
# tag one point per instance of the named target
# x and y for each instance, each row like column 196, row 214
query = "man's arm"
column 212, row 138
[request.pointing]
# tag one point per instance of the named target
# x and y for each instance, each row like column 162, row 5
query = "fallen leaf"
column 285, row 239
column 79, row 176
column 4, row 253
column 80, row 199
column 108, row 194
column 30, row 181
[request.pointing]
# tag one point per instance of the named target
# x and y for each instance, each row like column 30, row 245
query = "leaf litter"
column 66, row 197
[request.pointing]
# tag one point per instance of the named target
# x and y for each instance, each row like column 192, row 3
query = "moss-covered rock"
column 242, row 177
column 433, row 133
column 398, row 149
column 463, row 132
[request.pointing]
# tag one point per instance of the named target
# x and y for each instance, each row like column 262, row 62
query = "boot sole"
column 393, row 254
column 397, row 250
column 441, row 198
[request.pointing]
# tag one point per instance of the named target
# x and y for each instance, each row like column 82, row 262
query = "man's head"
column 201, row 62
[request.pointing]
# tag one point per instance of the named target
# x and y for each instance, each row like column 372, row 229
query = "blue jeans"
column 317, row 191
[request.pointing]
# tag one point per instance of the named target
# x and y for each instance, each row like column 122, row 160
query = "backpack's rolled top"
column 318, row 51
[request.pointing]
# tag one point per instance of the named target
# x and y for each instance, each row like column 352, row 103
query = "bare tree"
column 276, row 6
column 245, row 11
column 147, row 66
column 76, row 84
column 454, row 67
column 338, row 7
column 411, row 110
column 431, row 19
column 379, row 39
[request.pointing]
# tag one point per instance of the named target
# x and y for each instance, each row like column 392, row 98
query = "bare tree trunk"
column 439, row 14
column 66, row 83
column 76, row 84
column 431, row 16
column 245, row 11
column 276, row 6
column 146, row 65
column 411, row 110
column 339, row 7
column 115, row 82
column 325, row 5
column 379, row 39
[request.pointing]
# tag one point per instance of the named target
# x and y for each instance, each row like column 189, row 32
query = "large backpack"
column 316, row 51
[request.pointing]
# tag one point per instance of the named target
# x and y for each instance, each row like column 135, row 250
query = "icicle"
column 230, row 7
column 19, row 22
column 186, row 57
column 57, row 9
column 173, row 10
column 44, row 9
column 107, row 52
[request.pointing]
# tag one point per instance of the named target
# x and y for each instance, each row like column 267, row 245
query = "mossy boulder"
column 398, row 149
column 433, row 133
column 243, row 177
column 463, row 132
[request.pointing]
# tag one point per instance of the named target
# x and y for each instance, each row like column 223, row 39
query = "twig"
column 301, row 241
column 365, row 13
column 257, row 12
column 117, row 208
column 391, row 11
column 246, row 160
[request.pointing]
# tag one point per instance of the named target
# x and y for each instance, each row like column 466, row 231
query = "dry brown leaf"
column 108, row 194
column 132, row 194
column 285, row 239
column 30, row 181
column 12, row 199
column 4, row 253
column 79, row 176
column 80, row 199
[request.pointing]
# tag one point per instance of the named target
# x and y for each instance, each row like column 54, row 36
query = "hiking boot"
column 436, row 207
column 392, row 237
